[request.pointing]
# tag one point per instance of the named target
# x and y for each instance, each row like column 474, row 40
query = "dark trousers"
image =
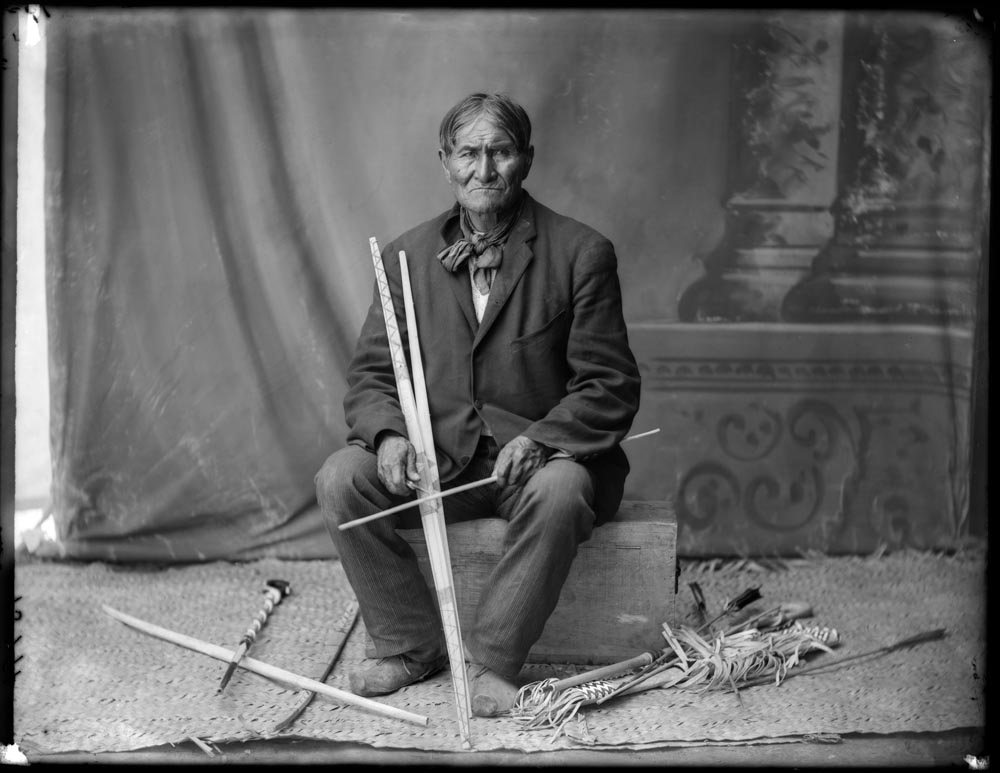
column 548, row 518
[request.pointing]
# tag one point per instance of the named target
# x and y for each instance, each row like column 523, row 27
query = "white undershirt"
column 479, row 301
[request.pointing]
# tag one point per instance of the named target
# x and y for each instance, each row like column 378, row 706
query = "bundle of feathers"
column 697, row 662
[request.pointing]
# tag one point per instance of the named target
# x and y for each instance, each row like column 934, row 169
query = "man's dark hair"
column 504, row 111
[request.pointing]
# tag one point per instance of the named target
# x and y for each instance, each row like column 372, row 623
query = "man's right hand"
column 397, row 463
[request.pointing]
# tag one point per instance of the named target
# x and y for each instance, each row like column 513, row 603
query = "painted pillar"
column 783, row 172
column 910, row 217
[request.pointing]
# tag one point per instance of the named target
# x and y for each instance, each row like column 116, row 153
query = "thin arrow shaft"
column 418, row 502
column 920, row 638
column 442, row 494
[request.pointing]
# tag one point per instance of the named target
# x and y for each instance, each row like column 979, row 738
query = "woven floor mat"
column 87, row 682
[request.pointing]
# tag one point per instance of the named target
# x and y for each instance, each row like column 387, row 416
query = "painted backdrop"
column 213, row 178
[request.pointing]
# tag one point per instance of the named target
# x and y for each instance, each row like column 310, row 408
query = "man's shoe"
column 392, row 673
column 492, row 695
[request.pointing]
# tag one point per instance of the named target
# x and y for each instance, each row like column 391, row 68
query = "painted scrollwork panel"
column 709, row 494
column 777, row 479
column 749, row 434
column 822, row 459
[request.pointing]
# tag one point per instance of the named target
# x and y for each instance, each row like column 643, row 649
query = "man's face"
column 485, row 170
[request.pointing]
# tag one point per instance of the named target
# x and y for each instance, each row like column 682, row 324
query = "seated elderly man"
column 529, row 377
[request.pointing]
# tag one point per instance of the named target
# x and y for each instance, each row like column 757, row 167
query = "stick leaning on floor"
column 348, row 620
column 418, row 428
column 264, row 669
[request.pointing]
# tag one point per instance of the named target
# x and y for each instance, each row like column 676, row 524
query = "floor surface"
column 959, row 748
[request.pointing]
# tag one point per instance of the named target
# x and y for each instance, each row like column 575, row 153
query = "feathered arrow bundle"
column 728, row 659
column 766, row 645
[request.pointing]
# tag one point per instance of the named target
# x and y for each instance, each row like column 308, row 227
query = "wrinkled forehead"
column 482, row 129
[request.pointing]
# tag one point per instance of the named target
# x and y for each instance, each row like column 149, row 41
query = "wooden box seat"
column 621, row 588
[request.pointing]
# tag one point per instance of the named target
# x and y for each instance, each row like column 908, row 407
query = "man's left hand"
column 519, row 460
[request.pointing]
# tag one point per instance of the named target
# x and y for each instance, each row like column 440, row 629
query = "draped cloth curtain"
column 201, row 317
column 213, row 179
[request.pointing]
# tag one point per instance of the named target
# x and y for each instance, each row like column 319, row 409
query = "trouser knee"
column 343, row 482
column 562, row 495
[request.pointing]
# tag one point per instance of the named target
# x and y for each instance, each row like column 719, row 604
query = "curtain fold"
column 192, row 311
column 214, row 176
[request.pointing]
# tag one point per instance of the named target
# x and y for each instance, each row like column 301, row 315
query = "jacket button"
column 478, row 405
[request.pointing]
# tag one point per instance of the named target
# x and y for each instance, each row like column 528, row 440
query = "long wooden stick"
column 404, row 387
column 442, row 494
column 264, row 669
column 432, row 513
column 432, row 516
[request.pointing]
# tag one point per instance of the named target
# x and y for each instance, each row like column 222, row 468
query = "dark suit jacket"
column 550, row 359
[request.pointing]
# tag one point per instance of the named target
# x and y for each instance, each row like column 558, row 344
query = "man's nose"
column 485, row 168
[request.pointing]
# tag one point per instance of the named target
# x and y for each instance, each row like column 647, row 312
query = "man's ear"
column 443, row 158
column 529, row 156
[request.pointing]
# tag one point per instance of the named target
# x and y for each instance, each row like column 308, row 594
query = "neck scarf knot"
column 483, row 250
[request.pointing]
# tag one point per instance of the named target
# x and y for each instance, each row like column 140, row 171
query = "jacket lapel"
column 458, row 281
column 517, row 255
